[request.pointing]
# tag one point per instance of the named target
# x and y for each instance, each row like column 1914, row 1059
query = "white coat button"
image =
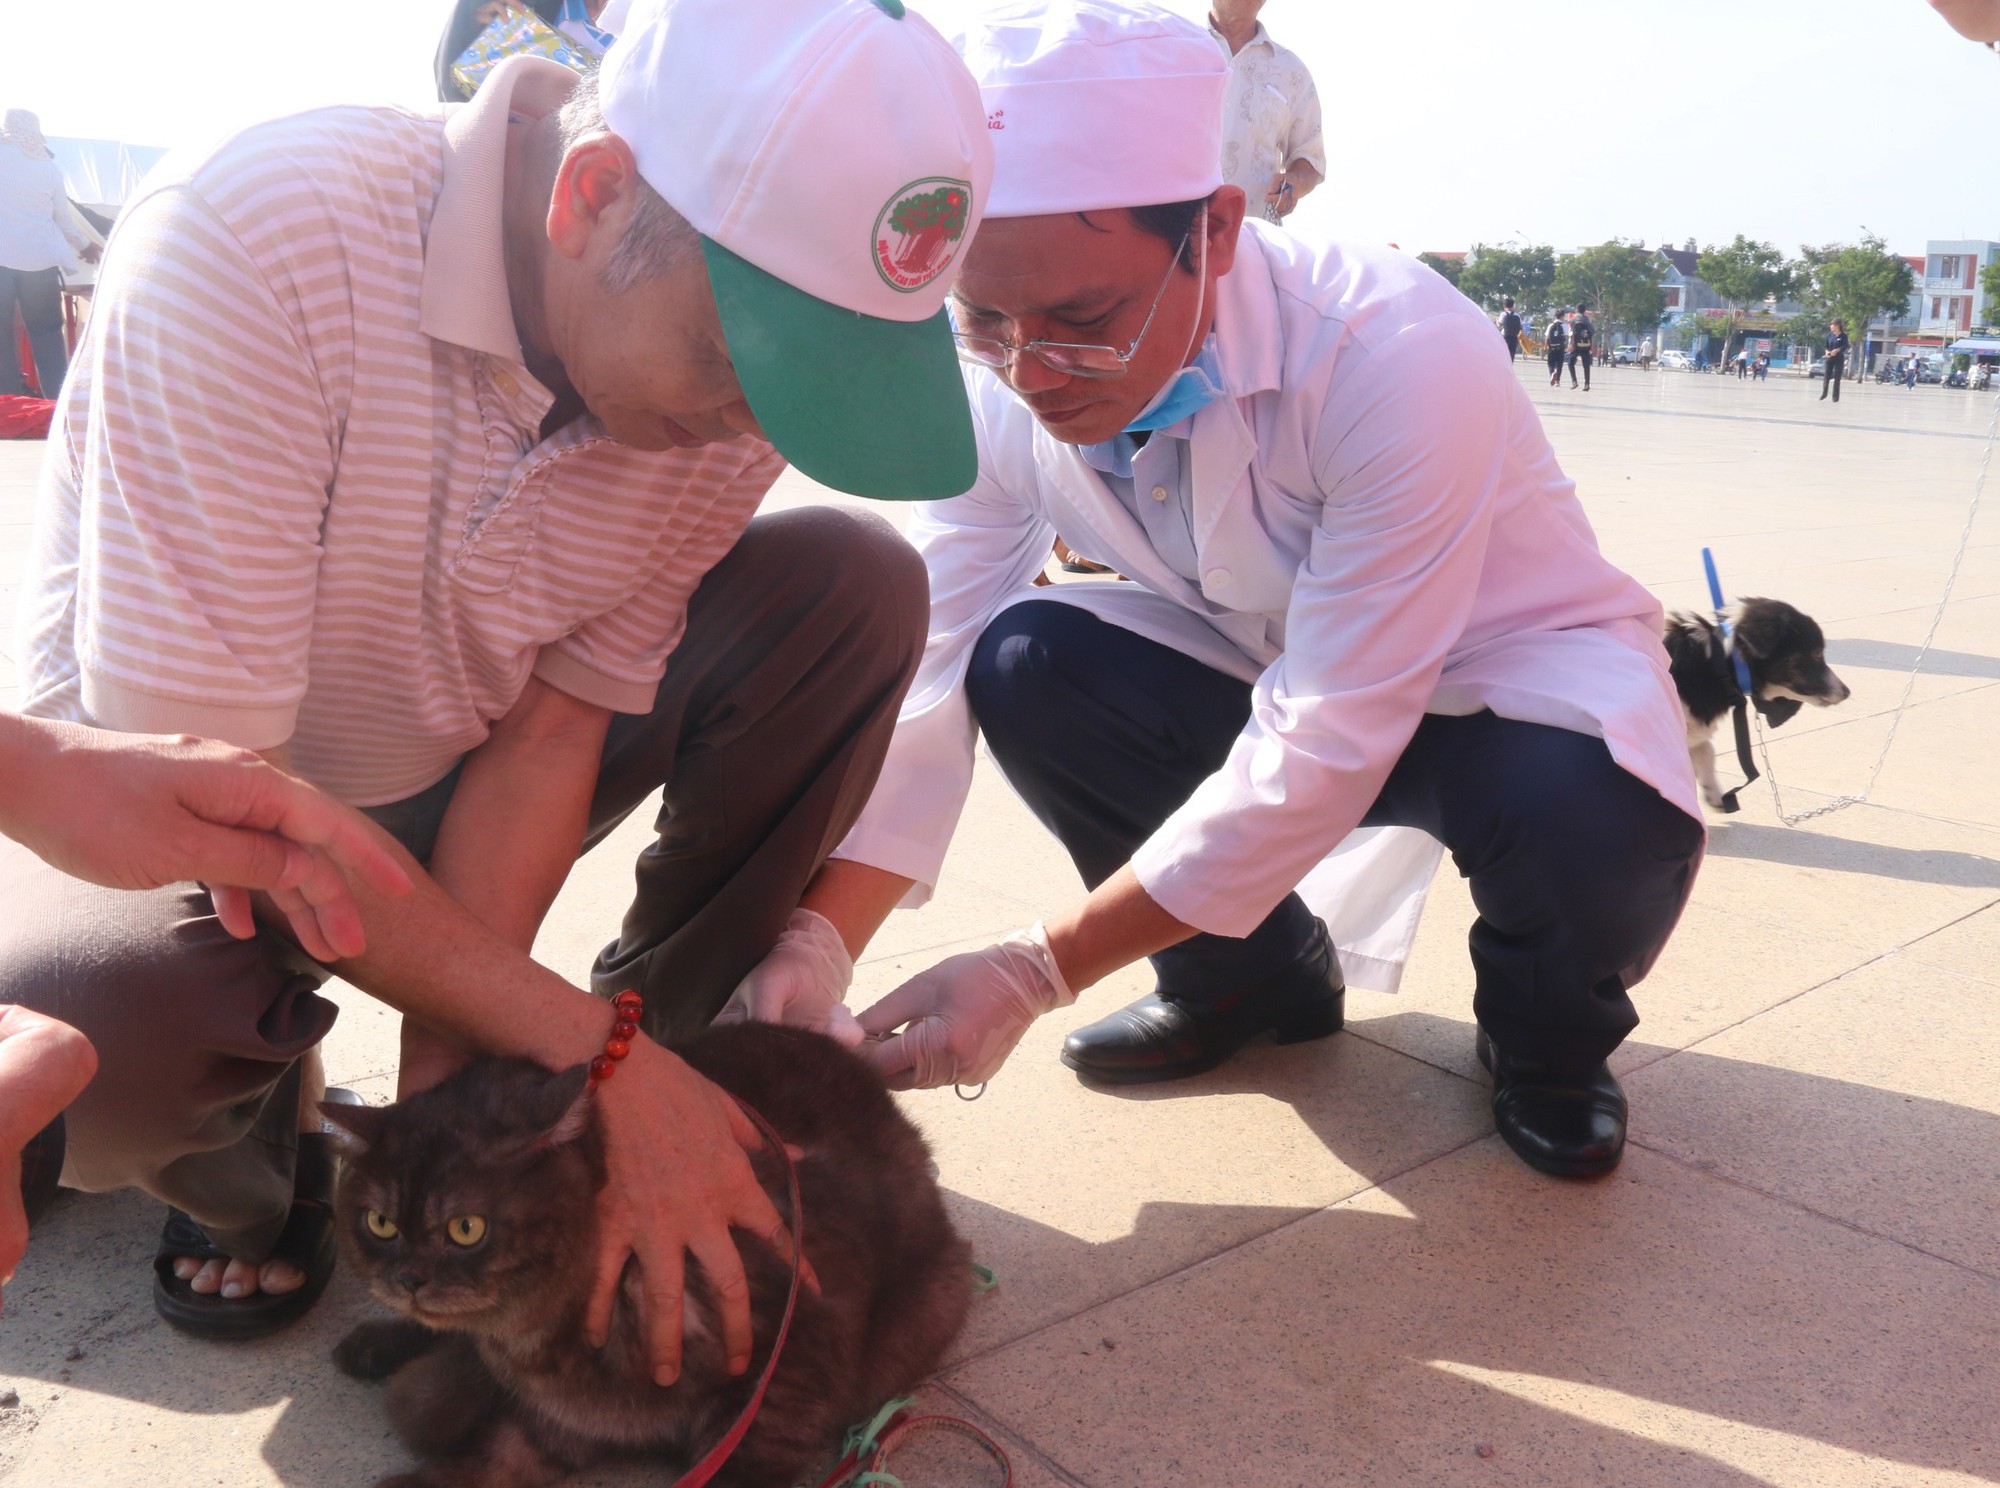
column 1159, row 493
column 1216, row 578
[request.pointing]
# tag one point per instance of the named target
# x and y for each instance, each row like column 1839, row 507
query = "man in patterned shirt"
column 419, row 455
column 1271, row 144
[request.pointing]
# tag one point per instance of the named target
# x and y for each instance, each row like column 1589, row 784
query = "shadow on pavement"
column 1463, row 1297
column 1895, row 656
column 1845, row 855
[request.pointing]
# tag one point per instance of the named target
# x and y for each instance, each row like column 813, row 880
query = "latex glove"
column 802, row 983
column 965, row 1014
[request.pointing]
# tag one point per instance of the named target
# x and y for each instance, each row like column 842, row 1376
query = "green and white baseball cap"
column 833, row 156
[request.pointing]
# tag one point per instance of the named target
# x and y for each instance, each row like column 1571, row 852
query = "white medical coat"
column 1382, row 531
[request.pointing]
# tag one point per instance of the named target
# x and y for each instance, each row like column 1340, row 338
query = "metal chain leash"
column 1841, row 803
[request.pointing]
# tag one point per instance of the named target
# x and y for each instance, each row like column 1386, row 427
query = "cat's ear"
column 565, row 1107
column 355, row 1128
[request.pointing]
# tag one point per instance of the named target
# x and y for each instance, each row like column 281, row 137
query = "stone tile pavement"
column 1317, row 1265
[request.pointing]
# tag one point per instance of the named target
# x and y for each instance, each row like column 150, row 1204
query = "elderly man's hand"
column 677, row 1181
column 965, row 1015
column 802, row 983
column 136, row 811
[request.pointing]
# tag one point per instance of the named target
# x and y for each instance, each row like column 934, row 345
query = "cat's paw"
column 375, row 1350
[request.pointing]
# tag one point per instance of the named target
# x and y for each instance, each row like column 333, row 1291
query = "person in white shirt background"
column 1271, row 143
column 41, row 239
column 1356, row 603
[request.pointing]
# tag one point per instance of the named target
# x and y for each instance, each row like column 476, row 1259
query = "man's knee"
column 1014, row 682
column 850, row 570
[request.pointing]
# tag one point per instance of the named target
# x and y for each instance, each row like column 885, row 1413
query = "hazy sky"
column 1443, row 127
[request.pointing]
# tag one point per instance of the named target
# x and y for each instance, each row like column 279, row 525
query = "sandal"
column 306, row 1242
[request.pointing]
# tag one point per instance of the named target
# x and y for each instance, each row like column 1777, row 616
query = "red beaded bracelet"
column 628, row 1005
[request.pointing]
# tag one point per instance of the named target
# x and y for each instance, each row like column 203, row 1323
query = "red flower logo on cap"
column 918, row 232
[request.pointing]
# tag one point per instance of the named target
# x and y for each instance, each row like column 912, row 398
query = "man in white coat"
column 1365, row 595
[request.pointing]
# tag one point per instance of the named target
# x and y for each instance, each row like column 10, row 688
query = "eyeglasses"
column 1071, row 358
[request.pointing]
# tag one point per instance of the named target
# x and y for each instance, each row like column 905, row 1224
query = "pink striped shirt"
column 297, row 493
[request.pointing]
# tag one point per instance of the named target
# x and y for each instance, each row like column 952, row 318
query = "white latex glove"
column 802, row 983
column 965, row 1014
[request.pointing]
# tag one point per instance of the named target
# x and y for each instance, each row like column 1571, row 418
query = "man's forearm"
column 429, row 957
column 1303, row 177
column 1115, row 926
column 518, row 815
column 856, row 898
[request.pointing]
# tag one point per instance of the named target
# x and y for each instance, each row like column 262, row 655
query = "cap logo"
column 918, row 231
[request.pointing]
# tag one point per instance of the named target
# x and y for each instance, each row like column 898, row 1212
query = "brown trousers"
column 765, row 739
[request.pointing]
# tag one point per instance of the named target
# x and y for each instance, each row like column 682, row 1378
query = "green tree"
column 1703, row 326
column 1744, row 273
column 1447, row 269
column 1854, row 283
column 1618, row 280
column 1989, row 280
column 1494, row 272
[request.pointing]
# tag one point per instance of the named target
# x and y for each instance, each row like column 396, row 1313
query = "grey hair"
column 657, row 239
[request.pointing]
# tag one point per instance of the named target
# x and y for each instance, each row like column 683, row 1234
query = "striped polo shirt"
column 297, row 493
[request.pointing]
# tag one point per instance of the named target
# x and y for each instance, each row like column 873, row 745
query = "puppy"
column 1786, row 654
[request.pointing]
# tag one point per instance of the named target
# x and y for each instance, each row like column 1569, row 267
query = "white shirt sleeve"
column 980, row 549
column 1409, row 467
column 1306, row 139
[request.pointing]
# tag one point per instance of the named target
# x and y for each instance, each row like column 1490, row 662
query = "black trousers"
column 1582, row 359
column 1835, row 365
column 1555, row 367
column 1578, row 869
column 38, row 292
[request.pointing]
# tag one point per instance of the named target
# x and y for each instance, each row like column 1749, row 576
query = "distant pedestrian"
column 1582, row 338
column 1271, row 143
column 1510, row 327
column 1742, row 365
column 1909, row 373
column 40, row 239
column 1763, row 365
column 1836, row 360
column 1558, row 346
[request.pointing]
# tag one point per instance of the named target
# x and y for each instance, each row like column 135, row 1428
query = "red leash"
column 720, row 1453
column 868, row 1456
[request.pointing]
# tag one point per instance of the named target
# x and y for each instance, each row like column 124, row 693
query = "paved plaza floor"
column 1318, row 1265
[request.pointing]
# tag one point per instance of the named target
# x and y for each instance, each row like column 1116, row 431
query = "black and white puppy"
column 1786, row 653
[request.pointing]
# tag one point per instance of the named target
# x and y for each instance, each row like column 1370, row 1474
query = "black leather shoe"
column 1570, row 1125
column 1157, row 1038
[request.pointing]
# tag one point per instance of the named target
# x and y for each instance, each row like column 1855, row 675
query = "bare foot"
column 234, row 1279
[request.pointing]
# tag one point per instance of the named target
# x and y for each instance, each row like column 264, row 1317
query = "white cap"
column 833, row 156
column 789, row 131
column 1094, row 104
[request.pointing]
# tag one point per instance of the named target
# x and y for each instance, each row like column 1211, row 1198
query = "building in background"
column 1951, row 300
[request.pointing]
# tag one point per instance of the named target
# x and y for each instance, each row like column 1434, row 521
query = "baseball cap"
column 1097, row 104
column 833, row 156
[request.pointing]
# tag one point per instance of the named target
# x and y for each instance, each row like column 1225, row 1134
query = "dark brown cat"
column 469, row 1209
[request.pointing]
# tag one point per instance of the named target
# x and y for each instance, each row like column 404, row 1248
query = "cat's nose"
column 410, row 1281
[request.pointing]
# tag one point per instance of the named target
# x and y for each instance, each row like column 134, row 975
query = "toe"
column 279, row 1277
column 239, row 1279
column 207, row 1279
column 185, row 1267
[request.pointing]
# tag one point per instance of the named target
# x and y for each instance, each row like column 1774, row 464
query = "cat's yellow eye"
column 467, row 1229
column 380, row 1225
